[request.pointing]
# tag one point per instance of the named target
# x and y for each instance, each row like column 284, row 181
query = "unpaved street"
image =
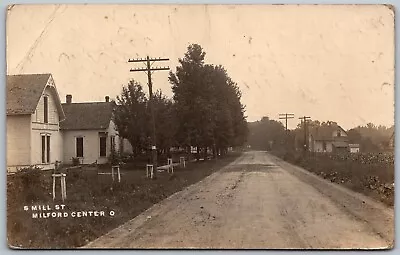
column 257, row 202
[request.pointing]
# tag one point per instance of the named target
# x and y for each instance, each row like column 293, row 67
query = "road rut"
column 252, row 203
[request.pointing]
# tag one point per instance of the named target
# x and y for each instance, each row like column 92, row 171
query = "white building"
column 88, row 131
column 41, row 130
column 34, row 112
column 328, row 138
column 354, row 148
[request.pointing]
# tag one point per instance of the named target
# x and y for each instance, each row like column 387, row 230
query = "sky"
column 327, row 62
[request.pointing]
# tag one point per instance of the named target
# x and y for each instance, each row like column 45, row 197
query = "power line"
column 149, row 70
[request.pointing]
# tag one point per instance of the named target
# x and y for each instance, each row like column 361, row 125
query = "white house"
column 34, row 112
column 89, row 132
column 41, row 130
column 354, row 148
column 328, row 138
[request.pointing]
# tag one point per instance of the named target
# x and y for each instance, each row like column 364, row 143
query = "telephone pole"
column 305, row 119
column 149, row 70
column 286, row 116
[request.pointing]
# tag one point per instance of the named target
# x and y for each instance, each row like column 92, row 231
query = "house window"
column 103, row 146
column 338, row 133
column 45, row 149
column 112, row 139
column 79, row 147
column 46, row 109
column 48, row 149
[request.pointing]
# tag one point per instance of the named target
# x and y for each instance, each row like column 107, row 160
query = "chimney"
column 107, row 99
column 68, row 99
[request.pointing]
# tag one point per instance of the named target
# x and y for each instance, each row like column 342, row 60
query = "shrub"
column 115, row 157
column 362, row 172
column 30, row 175
column 126, row 157
column 29, row 169
column 31, row 183
column 75, row 161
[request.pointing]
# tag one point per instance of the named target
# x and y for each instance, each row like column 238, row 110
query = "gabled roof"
column 325, row 132
column 87, row 116
column 24, row 92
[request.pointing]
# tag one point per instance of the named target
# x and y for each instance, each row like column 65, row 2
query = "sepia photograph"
column 200, row 126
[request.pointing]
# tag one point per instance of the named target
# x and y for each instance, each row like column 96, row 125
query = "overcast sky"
column 327, row 62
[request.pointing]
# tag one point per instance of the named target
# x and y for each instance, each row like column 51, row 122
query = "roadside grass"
column 88, row 191
column 369, row 173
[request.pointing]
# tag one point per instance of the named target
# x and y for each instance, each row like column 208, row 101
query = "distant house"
column 34, row 112
column 89, row 132
column 328, row 138
column 354, row 148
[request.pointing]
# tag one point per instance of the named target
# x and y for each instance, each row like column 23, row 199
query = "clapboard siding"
column 18, row 140
column 53, row 117
column 24, row 132
column 91, row 144
column 51, row 128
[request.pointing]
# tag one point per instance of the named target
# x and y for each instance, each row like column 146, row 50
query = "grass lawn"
column 88, row 191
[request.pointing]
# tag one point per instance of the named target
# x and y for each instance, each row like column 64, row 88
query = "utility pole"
column 305, row 119
column 286, row 116
column 149, row 70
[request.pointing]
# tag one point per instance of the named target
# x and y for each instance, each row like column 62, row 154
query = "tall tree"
column 374, row 138
column 230, row 122
column 131, row 116
column 187, row 86
column 267, row 134
column 165, row 117
column 208, row 103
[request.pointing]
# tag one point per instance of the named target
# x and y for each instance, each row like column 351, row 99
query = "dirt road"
column 258, row 202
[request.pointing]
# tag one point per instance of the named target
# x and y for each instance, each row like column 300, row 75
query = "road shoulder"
column 376, row 214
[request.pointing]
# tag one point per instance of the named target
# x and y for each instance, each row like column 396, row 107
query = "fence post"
column 182, row 162
column 63, row 185
column 170, row 165
column 54, row 187
column 149, row 171
column 119, row 174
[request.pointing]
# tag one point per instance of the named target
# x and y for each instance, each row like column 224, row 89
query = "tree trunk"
column 168, row 150
column 224, row 151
